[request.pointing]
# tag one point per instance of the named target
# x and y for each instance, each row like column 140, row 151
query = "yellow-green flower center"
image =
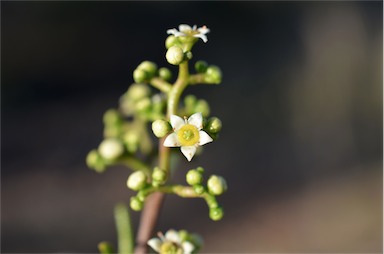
column 188, row 135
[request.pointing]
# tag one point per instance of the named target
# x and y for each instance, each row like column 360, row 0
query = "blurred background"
column 301, row 104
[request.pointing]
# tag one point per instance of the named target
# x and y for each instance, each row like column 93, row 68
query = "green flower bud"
column 159, row 176
column 165, row 73
column 161, row 128
column 189, row 55
column 216, row 213
column 199, row 189
column 175, row 55
column 214, row 125
column 149, row 67
column 140, row 76
column 213, row 75
column 202, row 106
column 143, row 104
column 138, row 91
column 216, row 185
column 141, row 196
column 194, row 177
column 95, row 161
column 111, row 117
column 190, row 103
column 111, row 148
column 158, row 103
column 201, row 66
column 137, row 180
column 136, row 204
column 172, row 41
column 131, row 140
column 200, row 169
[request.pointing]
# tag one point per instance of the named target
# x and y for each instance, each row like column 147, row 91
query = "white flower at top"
column 186, row 30
column 171, row 242
column 187, row 134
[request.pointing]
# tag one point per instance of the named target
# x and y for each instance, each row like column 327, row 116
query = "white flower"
column 187, row 134
column 171, row 242
column 186, row 30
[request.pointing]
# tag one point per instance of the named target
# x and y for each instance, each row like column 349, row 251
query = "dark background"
column 301, row 104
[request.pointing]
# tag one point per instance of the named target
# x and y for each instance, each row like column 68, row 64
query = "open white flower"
column 186, row 30
column 171, row 242
column 187, row 134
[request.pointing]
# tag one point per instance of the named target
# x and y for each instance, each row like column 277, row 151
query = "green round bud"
column 131, row 140
column 143, row 104
column 149, row 67
column 199, row 189
column 216, row 185
column 175, row 55
column 189, row 55
column 137, row 180
column 214, row 125
column 202, row 106
column 213, row 75
column 111, row 117
column 172, row 41
column 159, row 175
column 111, row 148
column 161, row 128
column 94, row 161
column 216, row 213
column 141, row 196
column 165, row 73
column 138, row 91
column 140, row 76
column 201, row 66
column 194, row 177
column 190, row 103
column 136, row 204
column 200, row 169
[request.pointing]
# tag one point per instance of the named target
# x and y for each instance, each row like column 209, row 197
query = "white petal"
column 201, row 36
column 155, row 244
column 188, row 247
column 172, row 31
column 177, row 122
column 184, row 28
column 171, row 141
column 194, row 27
column 172, row 236
column 188, row 151
column 204, row 138
column 203, row 30
column 196, row 120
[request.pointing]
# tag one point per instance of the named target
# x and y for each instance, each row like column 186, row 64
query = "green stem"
column 124, row 229
column 160, row 84
column 135, row 164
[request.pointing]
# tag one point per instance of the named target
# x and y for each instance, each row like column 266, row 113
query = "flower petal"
column 171, row 141
column 155, row 244
column 172, row 236
column 188, row 247
column 201, row 36
column 204, row 138
column 188, row 151
column 177, row 122
column 196, row 120
column 184, row 28
column 203, row 30
column 172, row 31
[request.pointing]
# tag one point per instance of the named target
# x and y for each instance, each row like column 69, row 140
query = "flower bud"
column 138, row 91
column 201, row 66
column 94, row 161
column 216, row 213
column 131, row 140
column 143, row 104
column 165, row 73
column 214, row 125
column 199, row 189
column 190, row 102
column 172, row 41
column 111, row 148
column 194, row 177
column 159, row 176
column 149, row 67
column 216, row 185
column 140, row 76
column 137, row 180
column 111, row 117
column 161, row 128
column 189, row 55
column 136, row 204
column 202, row 106
column 175, row 55
column 213, row 75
